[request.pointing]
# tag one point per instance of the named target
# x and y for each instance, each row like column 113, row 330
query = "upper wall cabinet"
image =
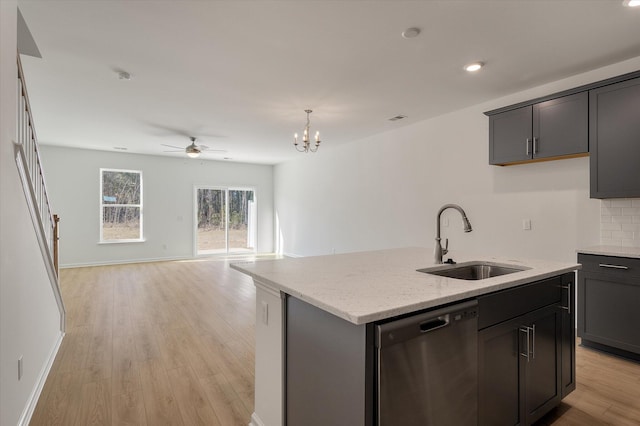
column 541, row 131
column 614, row 138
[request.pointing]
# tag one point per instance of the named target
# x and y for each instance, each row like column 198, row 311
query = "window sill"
column 121, row 241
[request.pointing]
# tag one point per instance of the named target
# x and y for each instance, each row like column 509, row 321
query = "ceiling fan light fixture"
column 193, row 154
column 631, row 3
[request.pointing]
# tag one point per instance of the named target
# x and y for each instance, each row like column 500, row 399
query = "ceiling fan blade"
column 182, row 150
column 207, row 149
column 172, row 146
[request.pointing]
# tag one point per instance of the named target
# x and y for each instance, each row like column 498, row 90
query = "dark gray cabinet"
column 545, row 130
column 608, row 304
column 614, row 140
column 522, row 358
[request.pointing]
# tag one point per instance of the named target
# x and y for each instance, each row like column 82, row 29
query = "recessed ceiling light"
column 631, row 3
column 411, row 32
column 473, row 67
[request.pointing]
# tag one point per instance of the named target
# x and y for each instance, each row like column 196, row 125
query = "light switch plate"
column 264, row 312
column 526, row 224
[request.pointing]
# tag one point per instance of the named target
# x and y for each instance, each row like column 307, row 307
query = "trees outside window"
column 225, row 220
column 120, row 205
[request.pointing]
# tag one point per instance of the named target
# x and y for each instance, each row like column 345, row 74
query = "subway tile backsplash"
column 620, row 222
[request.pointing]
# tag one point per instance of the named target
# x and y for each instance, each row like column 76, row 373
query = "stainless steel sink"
column 473, row 270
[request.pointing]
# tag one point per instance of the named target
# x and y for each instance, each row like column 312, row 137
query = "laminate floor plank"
column 192, row 400
column 161, row 407
column 173, row 343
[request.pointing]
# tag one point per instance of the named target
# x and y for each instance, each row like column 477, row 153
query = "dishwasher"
column 427, row 368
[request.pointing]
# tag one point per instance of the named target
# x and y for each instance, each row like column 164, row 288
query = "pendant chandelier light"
column 306, row 145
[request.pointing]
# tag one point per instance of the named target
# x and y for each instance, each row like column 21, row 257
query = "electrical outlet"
column 20, row 368
column 526, row 224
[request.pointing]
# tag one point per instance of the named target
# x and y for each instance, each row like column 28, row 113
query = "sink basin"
column 473, row 270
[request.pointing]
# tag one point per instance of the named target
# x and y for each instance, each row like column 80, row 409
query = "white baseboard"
column 223, row 256
column 124, row 262
column 30, row 407
column 292, row 255
column 255, row 420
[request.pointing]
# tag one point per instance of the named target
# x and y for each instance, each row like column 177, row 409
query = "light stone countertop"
column 369, row 286
column 615, row 251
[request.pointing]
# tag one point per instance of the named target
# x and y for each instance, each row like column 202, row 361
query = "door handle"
column 535, row 146
column 568, row 307
column 533, row 341
column 525, row 330
column 527, row 147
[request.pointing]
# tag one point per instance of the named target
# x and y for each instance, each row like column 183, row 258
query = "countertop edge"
column 418, row 306
column 613, row 251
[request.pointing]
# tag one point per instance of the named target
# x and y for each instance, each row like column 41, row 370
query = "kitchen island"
column 342, row 298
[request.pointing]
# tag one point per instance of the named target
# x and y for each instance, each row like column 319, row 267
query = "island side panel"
column 269, row 368
column 329, row 368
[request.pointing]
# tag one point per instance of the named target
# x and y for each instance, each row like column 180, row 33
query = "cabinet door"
column 568, row 346
column 510, row 136
column 614, row 140
column 499, row 374
column 519, row 368
column 542, row 366
column 609, row 313
column 560, row 126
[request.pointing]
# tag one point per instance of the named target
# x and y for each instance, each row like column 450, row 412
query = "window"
column 225, row 220
column 120, row 205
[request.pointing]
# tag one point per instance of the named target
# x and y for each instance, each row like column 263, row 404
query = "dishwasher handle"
column 398, row 330
column 434, row 324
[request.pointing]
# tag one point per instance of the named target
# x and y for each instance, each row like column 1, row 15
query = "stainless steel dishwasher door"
column 427, row 368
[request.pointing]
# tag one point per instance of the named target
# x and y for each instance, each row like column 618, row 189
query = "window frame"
column 103, row 205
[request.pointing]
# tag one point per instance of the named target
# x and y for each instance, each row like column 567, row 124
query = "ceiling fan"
column 193, row 150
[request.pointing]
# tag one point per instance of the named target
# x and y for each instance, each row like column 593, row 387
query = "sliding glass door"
column 225, row 220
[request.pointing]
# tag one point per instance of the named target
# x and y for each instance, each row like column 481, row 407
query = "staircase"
column 35, row 190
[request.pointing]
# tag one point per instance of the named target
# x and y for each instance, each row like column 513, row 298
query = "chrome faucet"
column 439, row 251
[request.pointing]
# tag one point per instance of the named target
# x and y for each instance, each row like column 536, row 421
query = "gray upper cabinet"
column 545, row 130
column 614, row 140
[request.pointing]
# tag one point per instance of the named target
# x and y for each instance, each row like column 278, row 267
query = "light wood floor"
column 172, row 343
column 167, row 343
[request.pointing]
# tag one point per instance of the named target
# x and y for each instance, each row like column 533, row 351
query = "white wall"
column 29, row 317
column 73, row 178
column 384, row 191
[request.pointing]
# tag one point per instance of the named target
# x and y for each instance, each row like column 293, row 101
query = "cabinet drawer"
column 506, row 304
column 614, row 267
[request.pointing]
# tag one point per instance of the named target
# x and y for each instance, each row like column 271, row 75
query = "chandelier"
column 306, row 145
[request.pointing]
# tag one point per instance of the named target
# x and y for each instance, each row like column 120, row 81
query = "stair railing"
column 35, row 189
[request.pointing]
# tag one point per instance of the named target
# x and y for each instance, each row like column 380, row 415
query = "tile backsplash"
column 620, row 222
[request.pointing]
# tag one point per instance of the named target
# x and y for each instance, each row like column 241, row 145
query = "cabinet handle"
column 533, row 341
column 528, row 141
column 568, row 307
column 535, row 146
column 525, row 330
column 606, row 265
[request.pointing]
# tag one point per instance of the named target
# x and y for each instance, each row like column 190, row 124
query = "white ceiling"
column 238, row 74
